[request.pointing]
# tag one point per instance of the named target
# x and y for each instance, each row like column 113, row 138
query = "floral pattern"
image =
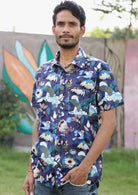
column 68, row 103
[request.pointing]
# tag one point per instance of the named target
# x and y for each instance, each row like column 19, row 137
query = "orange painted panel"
column 20, row 76
column 30, row 59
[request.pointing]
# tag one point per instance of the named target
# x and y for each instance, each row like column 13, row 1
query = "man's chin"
column 67, row 46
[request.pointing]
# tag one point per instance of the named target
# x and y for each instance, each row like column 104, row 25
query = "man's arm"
column 29, row 180
column 102, row 138
column 79, row 174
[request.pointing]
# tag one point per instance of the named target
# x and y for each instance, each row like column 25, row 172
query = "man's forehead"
column 66, row 15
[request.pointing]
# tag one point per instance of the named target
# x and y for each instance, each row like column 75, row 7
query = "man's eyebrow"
column 62, row 21
column 72, row 22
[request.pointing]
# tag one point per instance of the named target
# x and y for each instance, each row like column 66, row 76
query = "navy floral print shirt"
column 68, row 103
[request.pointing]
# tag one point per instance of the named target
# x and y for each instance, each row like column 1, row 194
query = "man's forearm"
column 34, row 136
column 29, row 180
column 101, row 139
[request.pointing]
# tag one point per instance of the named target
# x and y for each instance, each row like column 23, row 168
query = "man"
column 75, row 98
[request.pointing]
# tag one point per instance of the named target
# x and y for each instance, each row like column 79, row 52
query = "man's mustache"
column 65, row 35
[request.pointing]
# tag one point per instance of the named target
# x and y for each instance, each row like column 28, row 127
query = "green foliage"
column 9, row 111
column 116, row 33
column 127, row 9
column 121, row 33
column 136, row 33
column 99, row 33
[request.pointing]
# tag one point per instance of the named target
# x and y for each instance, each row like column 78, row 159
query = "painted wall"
column 21, row 54
column 18, row 67
column 131, row 95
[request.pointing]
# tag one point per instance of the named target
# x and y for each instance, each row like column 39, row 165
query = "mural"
column 19, row 73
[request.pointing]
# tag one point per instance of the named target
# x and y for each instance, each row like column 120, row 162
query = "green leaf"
column 45, row 54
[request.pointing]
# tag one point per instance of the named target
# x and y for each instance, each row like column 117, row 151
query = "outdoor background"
column 26, row 41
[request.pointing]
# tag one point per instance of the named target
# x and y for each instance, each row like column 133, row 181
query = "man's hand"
column 28, row 184
column 77, row 176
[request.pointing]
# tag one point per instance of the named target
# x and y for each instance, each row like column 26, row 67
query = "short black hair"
column 75, row 9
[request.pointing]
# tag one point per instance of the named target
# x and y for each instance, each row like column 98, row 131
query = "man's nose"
column 66, row 29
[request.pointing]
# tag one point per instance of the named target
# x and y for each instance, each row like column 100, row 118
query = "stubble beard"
column 67, row 45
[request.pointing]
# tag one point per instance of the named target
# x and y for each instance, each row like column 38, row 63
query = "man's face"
column 67, row 30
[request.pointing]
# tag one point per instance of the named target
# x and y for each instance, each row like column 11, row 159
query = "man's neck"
column 67, row 55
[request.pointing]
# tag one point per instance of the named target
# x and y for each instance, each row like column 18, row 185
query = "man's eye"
column 60, row 23
column 73, row 24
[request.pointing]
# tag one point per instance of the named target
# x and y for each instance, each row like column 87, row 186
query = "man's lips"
column 65, row 36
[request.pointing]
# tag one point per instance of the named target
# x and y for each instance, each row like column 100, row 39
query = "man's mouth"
column 65, row 36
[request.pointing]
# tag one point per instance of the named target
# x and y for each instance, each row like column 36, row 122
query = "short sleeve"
column 108, row 94
column 33, row 101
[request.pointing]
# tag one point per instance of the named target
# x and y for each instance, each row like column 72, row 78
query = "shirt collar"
column 79, row 60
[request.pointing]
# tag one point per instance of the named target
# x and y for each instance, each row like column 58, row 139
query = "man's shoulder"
column 96, row 62
column 45, row 67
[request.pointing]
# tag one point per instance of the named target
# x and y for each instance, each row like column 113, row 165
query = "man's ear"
column 53, row 29
column 82, row 31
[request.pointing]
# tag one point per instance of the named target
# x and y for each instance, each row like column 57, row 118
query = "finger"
column 31, row 189
column 26, row 192
column 26, row 189
column 65, row 178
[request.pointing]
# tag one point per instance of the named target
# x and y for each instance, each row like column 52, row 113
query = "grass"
column 13, row 166
column 120, row 176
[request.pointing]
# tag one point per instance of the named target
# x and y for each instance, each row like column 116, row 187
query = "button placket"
column 68, row 86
